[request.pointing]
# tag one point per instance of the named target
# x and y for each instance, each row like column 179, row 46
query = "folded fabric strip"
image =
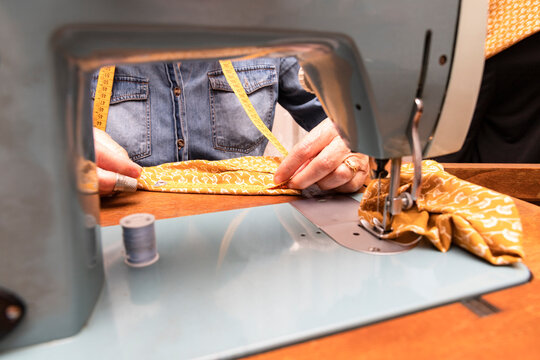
column 249, row 175
column 510, row 21
column 480, row 220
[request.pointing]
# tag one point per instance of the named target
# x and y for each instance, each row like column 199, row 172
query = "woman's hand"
column 113, row 162
column 322, row 157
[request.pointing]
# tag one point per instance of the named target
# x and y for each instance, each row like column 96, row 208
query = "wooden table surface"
column 447, row 332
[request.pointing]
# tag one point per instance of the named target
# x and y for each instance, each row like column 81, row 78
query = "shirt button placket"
column 180, row 143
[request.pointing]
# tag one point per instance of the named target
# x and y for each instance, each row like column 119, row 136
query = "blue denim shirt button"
column 177, row 91
column 180, row 144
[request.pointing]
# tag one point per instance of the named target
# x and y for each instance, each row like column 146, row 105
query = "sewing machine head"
column 375, row 66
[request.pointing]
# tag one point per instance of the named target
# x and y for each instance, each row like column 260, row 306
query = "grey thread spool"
column 139, row 239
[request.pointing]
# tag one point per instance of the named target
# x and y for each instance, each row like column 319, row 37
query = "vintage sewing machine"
column 399, row 78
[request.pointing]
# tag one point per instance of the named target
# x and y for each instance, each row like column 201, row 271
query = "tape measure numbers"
column 102, row 98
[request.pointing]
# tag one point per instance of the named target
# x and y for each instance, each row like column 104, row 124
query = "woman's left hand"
column 323, row 157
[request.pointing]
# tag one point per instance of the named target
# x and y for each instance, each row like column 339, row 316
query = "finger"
column 346, row 179
column 110, row 182
column 117, row 164
column 316, row 140
column 355, row 184
column 107, row 142
column 106, row 181
column 340, row 176
column 358, row 165
column 360, row 175
column 326, row 162
column 111, row 156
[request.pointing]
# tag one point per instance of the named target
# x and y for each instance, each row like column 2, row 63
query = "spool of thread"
column 139, row 238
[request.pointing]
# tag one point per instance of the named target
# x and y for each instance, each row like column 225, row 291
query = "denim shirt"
column 167, row 112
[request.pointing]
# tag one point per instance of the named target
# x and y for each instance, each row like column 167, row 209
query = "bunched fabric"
column 480, row 220
column 248, row 175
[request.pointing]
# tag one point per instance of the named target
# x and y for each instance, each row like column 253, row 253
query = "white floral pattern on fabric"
column 249, row 175
column 448, row 210
column 510, row 21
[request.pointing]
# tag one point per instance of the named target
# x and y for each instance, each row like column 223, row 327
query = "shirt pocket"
column 129, row 121
column 232, row 130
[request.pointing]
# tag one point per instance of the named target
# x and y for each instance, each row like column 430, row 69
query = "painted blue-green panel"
column 237, row 282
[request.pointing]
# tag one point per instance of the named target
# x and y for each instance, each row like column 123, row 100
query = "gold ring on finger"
column 352, row 164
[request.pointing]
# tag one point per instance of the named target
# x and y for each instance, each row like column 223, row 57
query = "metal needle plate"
column 337, row 216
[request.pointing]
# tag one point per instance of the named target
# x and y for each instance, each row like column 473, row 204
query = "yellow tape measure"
column 236, row 85
column 103, row 94
column 102, row 97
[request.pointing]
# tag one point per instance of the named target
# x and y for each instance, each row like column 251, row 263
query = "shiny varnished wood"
column 168, row 205
column 521, row 181
column 446, row 332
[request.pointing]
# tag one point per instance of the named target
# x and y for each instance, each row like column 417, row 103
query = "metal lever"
column 416, row 149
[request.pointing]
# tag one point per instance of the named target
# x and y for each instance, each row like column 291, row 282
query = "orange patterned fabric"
column 479, row 220
column 249, row 175
column 510, row 21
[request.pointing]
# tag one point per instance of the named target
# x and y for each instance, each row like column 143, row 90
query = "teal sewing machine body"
column 366, row 60
column 219, row 292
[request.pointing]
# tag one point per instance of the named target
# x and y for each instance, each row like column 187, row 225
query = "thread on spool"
column 139, row 239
